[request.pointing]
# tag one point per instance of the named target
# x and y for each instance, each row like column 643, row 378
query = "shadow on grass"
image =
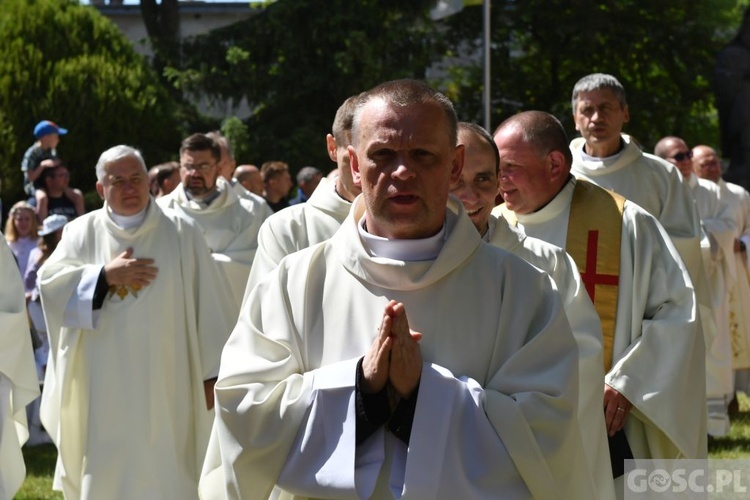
column 40, row 468
column 737, row 442
column 40, row 460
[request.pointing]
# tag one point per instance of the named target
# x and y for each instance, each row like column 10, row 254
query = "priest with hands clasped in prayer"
column 394, row 361
column 326, row 390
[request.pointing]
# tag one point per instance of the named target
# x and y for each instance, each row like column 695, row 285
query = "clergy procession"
column 396, row 334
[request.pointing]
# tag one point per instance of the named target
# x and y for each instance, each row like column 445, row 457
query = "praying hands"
column 394, row 356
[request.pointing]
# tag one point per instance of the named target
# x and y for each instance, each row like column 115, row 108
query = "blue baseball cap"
column 46, row 127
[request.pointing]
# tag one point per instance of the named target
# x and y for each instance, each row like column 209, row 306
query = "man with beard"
column 229, row 223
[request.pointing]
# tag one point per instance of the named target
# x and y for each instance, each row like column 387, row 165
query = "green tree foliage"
column 238, row 135
column 63, row 61
column 7, row 139
column 662, row 52
column 297, row 61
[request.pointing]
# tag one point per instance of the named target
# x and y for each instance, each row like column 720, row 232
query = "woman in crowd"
column 21, row 232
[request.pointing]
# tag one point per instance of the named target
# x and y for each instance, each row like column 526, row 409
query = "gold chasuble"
column 594, row 243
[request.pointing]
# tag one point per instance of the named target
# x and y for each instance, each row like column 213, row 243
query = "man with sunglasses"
column 229, row 223
column 717, row 252
column 707, row 165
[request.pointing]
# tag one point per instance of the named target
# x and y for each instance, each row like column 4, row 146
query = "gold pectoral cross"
column 122, row 291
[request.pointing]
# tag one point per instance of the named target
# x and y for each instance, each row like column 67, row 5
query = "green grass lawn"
column 40, row 460
column 737, row 443
column 40, row 467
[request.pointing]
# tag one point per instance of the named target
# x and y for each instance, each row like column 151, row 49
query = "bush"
column 65, row 62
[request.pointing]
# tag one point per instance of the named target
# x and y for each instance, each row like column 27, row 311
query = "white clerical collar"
column 128, row 221
column 406, row 250
column 607, row 160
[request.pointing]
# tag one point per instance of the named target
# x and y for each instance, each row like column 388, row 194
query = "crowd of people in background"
column 211, row 330
column 35, row 224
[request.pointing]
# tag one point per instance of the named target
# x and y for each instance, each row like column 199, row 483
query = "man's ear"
column 354, row 163
column 556, row 165
column 626, row 109
column 331, row 147
column 100, row 189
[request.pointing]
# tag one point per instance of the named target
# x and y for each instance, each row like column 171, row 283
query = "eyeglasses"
column 688, row 155
column 203, row 168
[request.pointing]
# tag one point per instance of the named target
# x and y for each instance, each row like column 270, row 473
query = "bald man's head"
column 535, row 160
column 249, row 177
column 706, row 163
column 542, row 131
column 675, row 151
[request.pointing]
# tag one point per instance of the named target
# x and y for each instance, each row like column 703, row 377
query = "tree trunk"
column 162, row 22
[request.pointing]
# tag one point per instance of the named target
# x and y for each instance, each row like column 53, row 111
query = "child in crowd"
column 40, row 154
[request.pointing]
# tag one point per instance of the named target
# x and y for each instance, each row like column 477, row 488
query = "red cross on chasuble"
column 594, row 237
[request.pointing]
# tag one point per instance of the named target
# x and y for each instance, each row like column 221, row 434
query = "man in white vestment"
column 717, row 245
column 477, row 189
column 327, row 390
column 226, row 168
column 610, row 159
column 654, row 387
column 19, row 384
column 136, row 318
column 706, row 165
column 229, row 223
column 306, row 224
